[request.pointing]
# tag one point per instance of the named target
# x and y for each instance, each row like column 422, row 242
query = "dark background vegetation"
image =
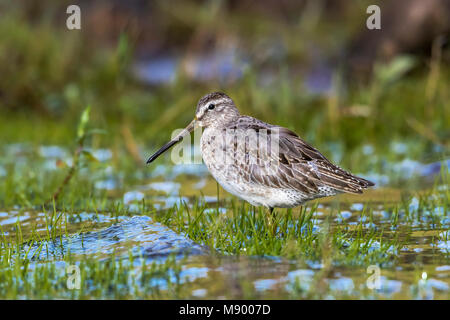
column 310, row 65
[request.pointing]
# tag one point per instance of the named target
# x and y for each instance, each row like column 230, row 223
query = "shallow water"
column 213, row 275
column 421, row 269
column 139, row 234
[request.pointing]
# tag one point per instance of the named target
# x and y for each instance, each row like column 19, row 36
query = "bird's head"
column 213, row 110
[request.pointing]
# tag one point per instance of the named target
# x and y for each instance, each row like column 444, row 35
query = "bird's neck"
column 226, row 121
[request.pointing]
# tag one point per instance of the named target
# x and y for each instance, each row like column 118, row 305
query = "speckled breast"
column 224, row 162
column 229, row 166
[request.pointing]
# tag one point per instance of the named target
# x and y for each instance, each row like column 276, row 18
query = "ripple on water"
column 209, row 199
column 109, row 184
column 168, row 187
column 52, row 152
column 343, row 215
column 389, row 287
column 102, row 155
column 198, row 185
column 443, row 268
column 437, row 284
column 265, row 284
column 131, row 196
column 444, row 246
column 301, row 277
column 341, row 284
column 357, row 207
column 199, row 293
column 192, row 273
column 214, row 210
column 13, row 220
column 171, row 172
column 171, row 201
column 139, row 233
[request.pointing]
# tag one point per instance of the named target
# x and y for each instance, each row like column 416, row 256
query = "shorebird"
column 263, row 164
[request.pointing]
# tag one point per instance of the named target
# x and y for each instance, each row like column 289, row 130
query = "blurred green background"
column 309, row 65
column 313, row 66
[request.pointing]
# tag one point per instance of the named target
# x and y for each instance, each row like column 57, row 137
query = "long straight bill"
column 186, row 131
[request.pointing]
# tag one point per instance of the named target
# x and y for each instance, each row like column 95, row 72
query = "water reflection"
column 138, row 234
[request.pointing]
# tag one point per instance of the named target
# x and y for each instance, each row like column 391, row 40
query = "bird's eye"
column 211, row 106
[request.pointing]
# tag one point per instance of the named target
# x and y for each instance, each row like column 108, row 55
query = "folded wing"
column 294, row 164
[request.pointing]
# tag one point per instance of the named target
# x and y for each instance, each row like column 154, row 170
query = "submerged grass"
column 241, row 231
column 311, row 236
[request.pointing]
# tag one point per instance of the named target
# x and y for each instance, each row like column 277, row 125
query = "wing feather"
column 297, row 165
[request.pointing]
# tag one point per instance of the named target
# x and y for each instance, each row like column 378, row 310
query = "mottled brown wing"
column 328, row 173
column 296, row 165
column 259, row 165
